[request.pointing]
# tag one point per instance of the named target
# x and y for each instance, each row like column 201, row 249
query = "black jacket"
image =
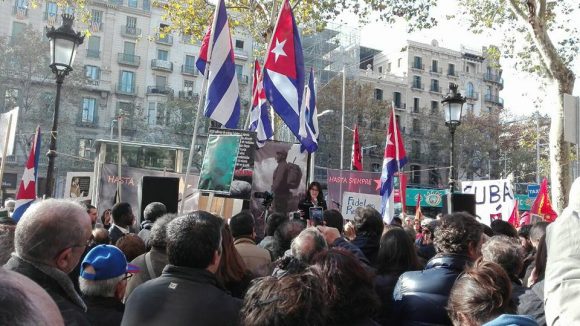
column 60, row 289
column 104, row 311
column 115, row 234
column 181, row 296
column 532, row 303
column 384, row 286
column 369, row 244
column 420, row 297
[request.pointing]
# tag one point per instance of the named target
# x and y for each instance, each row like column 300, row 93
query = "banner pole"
column 3, row 164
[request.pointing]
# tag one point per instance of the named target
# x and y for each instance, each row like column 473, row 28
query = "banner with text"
column 494, row 199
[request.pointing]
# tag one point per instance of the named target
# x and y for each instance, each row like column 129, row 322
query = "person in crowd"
column 101, row 236
column 527, row 248
column 303, row 248
column 7, row 229
column 397, row 221
column 153, row 262
column 421, row 296
column 102, row 282
column 333, row 218
column 256, row 259
column 425, row 247
column 501, row 227
column 348, row 288
column 123, row 219
column 280, row 186
column 10, row 205
column 396, row 256
column 232, row 273
column 24, row 303
column 537, row 231
column 410, row 232
column 368, row 226
column 93, row 214
column 49, row 241
column 562, row 280
column 106, row 219
column 532, row 301
column 487, row 230
column 131, row 245
column 151, row 213
column 481, row 296
column 290, row 300
column 194, row 252
column 283, row 237
column 505, row 251
column 273, row 221
column 312, row 198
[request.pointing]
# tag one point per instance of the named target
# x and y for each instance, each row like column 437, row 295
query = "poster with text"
column 219, row 163
column 494, row 199
column 348, row 190
column 78, row 186
column 241, row 187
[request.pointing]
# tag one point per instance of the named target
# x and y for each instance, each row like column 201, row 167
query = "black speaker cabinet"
column 159, row 189
column 459, row 203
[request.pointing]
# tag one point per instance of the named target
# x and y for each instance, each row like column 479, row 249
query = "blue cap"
column 108, row 261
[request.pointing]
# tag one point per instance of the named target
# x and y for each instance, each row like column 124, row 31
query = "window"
column 239, row 69
column 434, row 66
column 127, row 81
column 380, row 69
column 51, row 11
column 163, row 55
column 435, row 86
column 157, row 115
column 132, row 3
column 88, row 114
column 417, row 63
column 129, row 48
column 469, row 91
column 399, row 62
column 397, row 99
column 92, row 72
column 239, row 44
column 488, row 91
column 470, row 108
column 190, row 63
column 416, row 105
column 434, row 178
column 188, row 87
column 131, row 27
column 69, row 10
column 415, row 174
column 93, row 50
column 389, row 67
column 434, row 107
column 11, row 98
column 22, row 4
column 17, row 29
column 96, row 16
column 378, row 94
column 451, row 69
column 417, row 82
column 160, row 81
column 85, row 148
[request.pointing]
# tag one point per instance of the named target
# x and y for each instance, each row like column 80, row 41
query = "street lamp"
column 64, row 43
column 452, row 106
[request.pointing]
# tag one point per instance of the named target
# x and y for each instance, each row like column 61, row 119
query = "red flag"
column 542, row 205
column 515, row 216
column 356, row 151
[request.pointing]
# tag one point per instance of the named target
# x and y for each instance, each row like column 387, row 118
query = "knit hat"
column 108, row 262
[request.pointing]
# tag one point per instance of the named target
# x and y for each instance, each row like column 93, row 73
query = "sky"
column 520, row 89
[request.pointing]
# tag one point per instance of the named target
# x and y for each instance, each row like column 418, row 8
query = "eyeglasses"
column 88, row 243
column 127, row 276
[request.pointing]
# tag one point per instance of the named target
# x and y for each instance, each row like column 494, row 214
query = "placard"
column 219, row 162
column 78, row 186
column 494, row 199
column 353, row 200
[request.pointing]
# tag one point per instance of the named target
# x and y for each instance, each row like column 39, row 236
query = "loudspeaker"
column 459, row 203
column 161, row 189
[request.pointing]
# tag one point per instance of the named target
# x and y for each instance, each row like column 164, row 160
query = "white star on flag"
column 28, row 177
column 278, row 50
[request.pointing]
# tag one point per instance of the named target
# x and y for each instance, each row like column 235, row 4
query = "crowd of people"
column 63, row 264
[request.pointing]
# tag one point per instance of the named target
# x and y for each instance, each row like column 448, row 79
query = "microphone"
column 336, row 203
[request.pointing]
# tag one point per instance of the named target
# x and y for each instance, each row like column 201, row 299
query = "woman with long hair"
column 106, row 219
column 232, row 273
column 312, row 198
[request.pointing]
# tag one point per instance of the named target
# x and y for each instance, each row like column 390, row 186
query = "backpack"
column 294, row 176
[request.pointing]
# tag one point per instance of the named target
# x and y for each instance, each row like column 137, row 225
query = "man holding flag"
column 394, row 160
column 27, row 188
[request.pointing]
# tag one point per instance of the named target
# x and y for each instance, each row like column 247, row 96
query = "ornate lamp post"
column 452, row 106
column 64, row 43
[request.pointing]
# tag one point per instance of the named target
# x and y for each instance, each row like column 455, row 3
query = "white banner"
column 353, row 200
column 4, row 118
column 494, row 199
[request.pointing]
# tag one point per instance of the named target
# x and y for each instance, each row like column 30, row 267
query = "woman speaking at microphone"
column 313, row 198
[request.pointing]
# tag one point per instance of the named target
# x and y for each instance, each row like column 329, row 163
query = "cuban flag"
column 395, row 159
column 27, row 188
column 216, row 62
column 259, row 114
column 308, row 112
column 284, row 75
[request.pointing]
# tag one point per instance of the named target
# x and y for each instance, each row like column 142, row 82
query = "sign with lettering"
column 353, row 200
column 533, row 190
column 494, row 199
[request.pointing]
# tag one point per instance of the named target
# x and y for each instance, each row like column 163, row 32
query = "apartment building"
column 130, row 67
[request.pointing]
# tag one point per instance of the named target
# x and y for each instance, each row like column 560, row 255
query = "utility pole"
column 537, row 148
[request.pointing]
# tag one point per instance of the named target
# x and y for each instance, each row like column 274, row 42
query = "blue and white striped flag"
column 222, row 101
column 259, row 114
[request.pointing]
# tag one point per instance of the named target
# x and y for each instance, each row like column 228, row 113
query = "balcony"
column 20, row 12
column 160, row 90
column 494, row 99
column 128, row 59
column 400, row 106
column 452, row 74
column 243, row 79
column 418, row 66
column 190, row 70
column 241, row 54
column 162, row 65
column 95, row 26
column 417, row 86
column 187, row 95
column 51, row 18
column 98, row 84
column 435, row 70
column 435, row 89
column 497, row 79
column 126, row 89
column 130, row 31
column 167, row 39
column 472, row 96
column 91, row 53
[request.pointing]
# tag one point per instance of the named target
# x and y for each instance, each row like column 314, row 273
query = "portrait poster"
column 78, row 186
column 288, row 187
column 219, row 163
column 241, row 187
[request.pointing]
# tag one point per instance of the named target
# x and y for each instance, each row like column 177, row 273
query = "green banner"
column 429, row 197
column 524, row 202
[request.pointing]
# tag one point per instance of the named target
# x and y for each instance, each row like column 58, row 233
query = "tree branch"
column 542, row 11
column 517, row 10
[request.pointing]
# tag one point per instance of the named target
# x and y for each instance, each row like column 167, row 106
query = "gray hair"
column 307, row 244
column 158, row 235
column 153, row 211
column 6, row 242
column 100, row 288
column 48, row 227
column 504, row 251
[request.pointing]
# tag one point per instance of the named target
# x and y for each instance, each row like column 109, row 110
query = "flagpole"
column 4, row 151
column 199, row 107
column 342, row 120
column 119, row 152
